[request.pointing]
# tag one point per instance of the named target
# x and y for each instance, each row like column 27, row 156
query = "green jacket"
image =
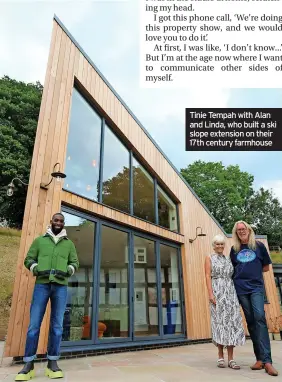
column 50, row 261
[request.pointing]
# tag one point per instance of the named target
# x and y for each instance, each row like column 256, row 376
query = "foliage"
column 19, row 110
column 76, row 317
column 10, row 232
column 224, row 190
column 276, row 257
column 229, row 195
column 85, row 223
column 116, row 193
column 9, row 245
column 264, row 211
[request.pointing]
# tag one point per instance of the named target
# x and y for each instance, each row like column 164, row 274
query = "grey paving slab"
column 195, row 363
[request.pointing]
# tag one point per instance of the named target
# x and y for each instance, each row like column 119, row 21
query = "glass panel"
column 115, row 173
column 167, row 211
column 143, row 193
column 145, row 288
column 171, row 299
column 83, row 149
column 113, row 290
column 78, row 314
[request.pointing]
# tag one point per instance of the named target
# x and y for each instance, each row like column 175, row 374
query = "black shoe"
column 53, row 371
column 53, row 366
column 26, row 373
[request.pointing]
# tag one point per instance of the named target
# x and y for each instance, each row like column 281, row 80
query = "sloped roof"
column 140, row 124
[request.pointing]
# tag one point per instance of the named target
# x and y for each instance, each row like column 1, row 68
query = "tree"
column 265, row 213
column 116, row 190
column 229, row 195
column 19, row 110
column 116, row 193
column 224, row 190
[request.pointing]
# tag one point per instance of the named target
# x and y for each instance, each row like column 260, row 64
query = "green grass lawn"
column 276, row 257
column 9, row 244
column 9, row 248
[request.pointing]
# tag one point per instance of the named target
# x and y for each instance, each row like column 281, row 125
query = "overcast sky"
column 108, row 32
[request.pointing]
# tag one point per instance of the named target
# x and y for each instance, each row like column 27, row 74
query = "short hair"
column 58, row 213
column 218, row 239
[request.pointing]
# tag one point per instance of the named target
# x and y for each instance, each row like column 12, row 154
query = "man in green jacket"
column 52, row 258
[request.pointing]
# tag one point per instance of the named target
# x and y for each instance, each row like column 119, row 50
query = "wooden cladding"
column 272, row 309
column 49, row 148
column 100, row 210
column 67, row 64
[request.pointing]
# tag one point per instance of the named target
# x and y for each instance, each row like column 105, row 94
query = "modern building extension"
column 131, row 215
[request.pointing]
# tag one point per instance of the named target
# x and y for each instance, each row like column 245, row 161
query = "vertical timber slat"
column 10, row 347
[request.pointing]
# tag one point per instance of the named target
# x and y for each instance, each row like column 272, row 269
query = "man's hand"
column 212, row 299
column 34, row 269
column 70, row 270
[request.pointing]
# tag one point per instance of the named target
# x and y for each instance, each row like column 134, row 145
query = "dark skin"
column 57, row 223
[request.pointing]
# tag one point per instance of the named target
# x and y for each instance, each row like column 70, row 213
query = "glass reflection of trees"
column 115, row 193
column 167, row 211
column 115, row 172
column 83, row 171
column 78, row 315
column 83, row 149
column 143, row 193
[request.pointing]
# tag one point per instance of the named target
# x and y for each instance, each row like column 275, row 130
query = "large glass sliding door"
column 171, row 293
column 114, row 285
column 146, row 317
column 78, row 316
column 127, row 289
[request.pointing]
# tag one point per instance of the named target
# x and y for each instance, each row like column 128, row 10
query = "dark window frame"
column 154, row 190
column 104, row 125
column 132, row 155
column 158, row 189
column 101, row 143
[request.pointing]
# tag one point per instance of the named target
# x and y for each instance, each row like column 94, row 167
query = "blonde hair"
column 218, row 239
column 236, row 240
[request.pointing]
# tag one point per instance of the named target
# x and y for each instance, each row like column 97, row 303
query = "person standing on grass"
column 52, row 258
column 250, row 259
column 226, row 320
